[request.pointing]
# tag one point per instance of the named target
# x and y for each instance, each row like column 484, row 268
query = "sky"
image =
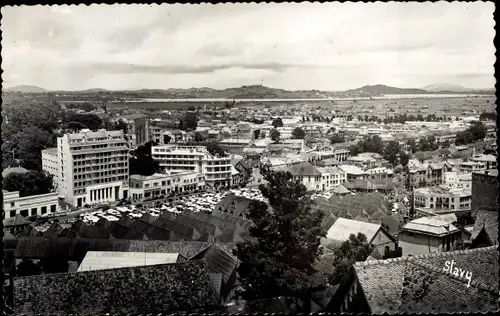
column 332, row 47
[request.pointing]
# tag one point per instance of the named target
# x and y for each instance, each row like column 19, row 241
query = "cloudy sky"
column 291, row 46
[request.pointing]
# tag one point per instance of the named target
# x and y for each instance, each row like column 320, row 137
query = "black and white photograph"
column 249, row 158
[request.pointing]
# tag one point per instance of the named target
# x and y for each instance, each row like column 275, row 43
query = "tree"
column 29, row 183
column 275, row 134
column 413, row 145
column 256, row 134
column 229, row 105
column 356, row 248
column 26, row 146
column 393, row 152
column 372, row 144
column 277, row 122
column 189, row 121
column 475, row 132
column 298, row 133
column 27, row 267
column 286, row 239
column 166, row 139
column 142, row 161
column 488, row 116
column 335, row 139
column 120, row 125
column 215, row 149
column 198, row 137
column 76, row 121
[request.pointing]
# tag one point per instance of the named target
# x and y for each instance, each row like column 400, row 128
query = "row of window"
column 101, row 167
column 34, row 211
column 100, row 181
column 103, row 154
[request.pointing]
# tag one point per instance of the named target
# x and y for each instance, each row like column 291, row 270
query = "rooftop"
column 344, row 227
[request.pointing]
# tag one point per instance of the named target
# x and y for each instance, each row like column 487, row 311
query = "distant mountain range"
column 263, row 92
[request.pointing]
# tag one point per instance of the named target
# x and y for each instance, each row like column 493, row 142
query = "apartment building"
column 50, row 164
column 40, row 204
column 177, row 158
column 142, row 187
column 442, row 198
column 471, row 166
column 93, row 167
column 457, row 180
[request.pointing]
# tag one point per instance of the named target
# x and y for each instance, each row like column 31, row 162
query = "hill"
column 383, row 89
column 446, row 87
column 26, row 89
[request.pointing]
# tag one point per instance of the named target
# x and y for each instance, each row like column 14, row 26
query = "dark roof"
column 232, row 205
column 271, row 305
column 488, row 220
column 155, row 289
column 17, row 220
column 370, row 184
column 76, row 249
column 184, row 232
column 199, row 225
column 304, row 169
column 218, row 261
column 53, row 231
column 396, row 285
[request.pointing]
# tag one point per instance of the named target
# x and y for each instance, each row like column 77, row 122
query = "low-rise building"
column 142, row 187
column 353, row 172
column 308, row 175
column 331, row 177
column 429, row 235
column 490, row 161
column 442, row 198
column 367, row 160
column 471, row 166
column 40, row 204
column 457, row 180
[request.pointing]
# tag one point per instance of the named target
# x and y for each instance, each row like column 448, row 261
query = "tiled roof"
column 155, row 289
column 304, row 170
column 395, row 285
column 184, row 232
column 488, row 220
column 200, row 226
column 76, row 249
column 17, row 220
column 218, row 261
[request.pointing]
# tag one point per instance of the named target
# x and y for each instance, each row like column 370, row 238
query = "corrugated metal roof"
column 101, row 260
column 344, row 227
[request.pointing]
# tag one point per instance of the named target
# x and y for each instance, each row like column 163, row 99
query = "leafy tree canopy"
column 29, row 183
column 373, row 144
column 189, row 121
column 274, row 134
column 142, row 161
column 335, row 139
column 76, row 122
column 286, row 241
column 277, row 122
column 298, row 133
column 356, row 248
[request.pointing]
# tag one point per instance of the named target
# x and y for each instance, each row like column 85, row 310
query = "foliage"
column 189, row 121
column 395, row 154
column 142, row 161
column 336, row 138
column 475, row 132
column 166, row 139
column 413, row 145
column 87, row 107
column 52, row 264
column 29, row 183
column 76, row 122
column 277, row 122
column 286, row 241
column 428, row 143
column 120, row 125
column 229, row 105
column 198, row 137
column 298, row 133
column 27, row 267
column 215, row 149
column 275, row 134
column 488, row 116
column 356, row 248
column 26, row 145
column 256, row 134
column 373, row 144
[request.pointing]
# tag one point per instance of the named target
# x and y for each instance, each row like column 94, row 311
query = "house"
column 429, row 235
column 369, row 185
column 308, row 175
column 419, row 284
column 353, row 172
column 164, row 288
column 331, row 177
column 375, row 234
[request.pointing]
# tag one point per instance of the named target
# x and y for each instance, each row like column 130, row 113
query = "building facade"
column 485, row 190
column 94, row 167
column 177, row 158
column 50, row 164
column 331, row 177
column 29, row 205
column 441, row 198
column 142, row 187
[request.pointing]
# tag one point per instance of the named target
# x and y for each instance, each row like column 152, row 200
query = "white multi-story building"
column 458, row 180
column 93, row 167
column 177, row 158
column 50, row 163
column 331, row 177
column 142, row 187
column 40, row 204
